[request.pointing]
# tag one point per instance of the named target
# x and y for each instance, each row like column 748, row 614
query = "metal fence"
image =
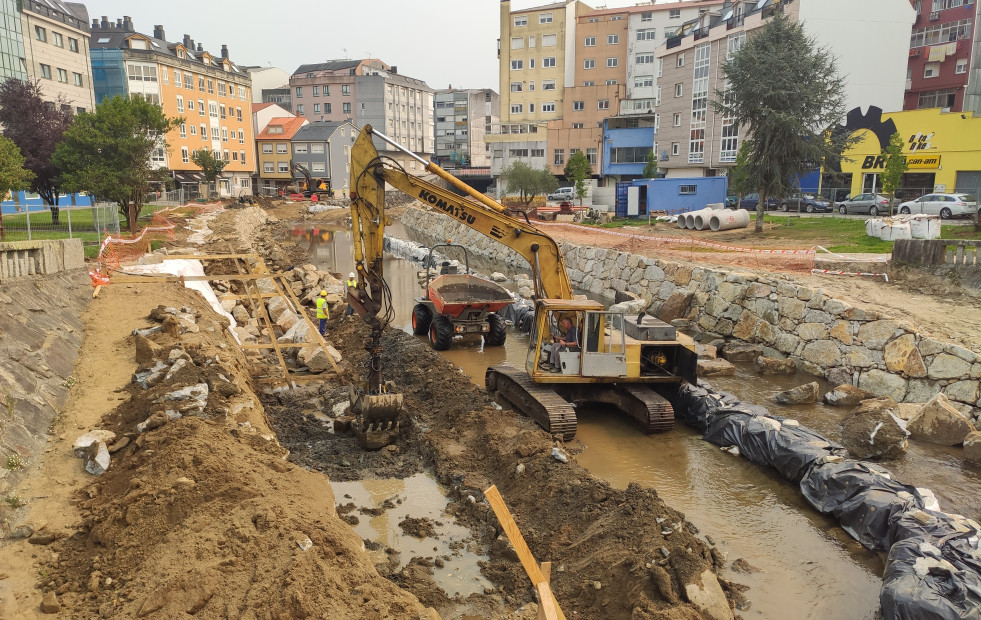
column 88, row 223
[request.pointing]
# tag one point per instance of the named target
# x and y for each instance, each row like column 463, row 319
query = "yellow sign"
column 923, row 162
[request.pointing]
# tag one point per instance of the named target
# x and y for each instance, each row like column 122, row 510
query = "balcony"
column 735, row 22
column 702, row 33
column 673, row 42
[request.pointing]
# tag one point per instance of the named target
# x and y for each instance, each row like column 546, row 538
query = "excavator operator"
column 567, row 339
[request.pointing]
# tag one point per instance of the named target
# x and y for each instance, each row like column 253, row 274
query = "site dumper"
column 458, row 304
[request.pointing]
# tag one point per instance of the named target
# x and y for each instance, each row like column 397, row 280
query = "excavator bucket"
column 376, row 415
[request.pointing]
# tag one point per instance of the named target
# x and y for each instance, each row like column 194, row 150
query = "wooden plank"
column 313, row 328
column 208, row 256
column 547, row 571
column 230, row 296
column 268, row 345
column 547, row 608
column 510, row 528
column 125, row 279
column 264, row 315
column 96, row 292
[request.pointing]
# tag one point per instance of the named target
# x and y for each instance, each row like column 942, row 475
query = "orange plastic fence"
column 116, row 251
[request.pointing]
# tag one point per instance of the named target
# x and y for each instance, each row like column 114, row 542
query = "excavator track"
column 513, row 387
column 653, row 411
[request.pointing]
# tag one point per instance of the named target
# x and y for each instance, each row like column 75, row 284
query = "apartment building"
column 210, row 92
column 56, row 48
column 368, row 92
column 463, row 117
column 940, row 50
column 13, row 56
column 266, row 78
column 693, row 141
column 275, row 152
column 323, row 149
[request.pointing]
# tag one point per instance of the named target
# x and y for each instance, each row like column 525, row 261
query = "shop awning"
column 188, row 178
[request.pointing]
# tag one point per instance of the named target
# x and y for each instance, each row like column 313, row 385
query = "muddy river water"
column 802, row 564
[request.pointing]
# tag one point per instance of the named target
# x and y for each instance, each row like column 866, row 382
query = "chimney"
column 119, row 23
column 158, row 32
column 187, row 42
column 128, row 23
column 105, row 23
column 224, row 51
column 200, row 48
column 395, row 69
column 95, row 23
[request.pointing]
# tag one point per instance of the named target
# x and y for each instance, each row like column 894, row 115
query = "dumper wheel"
column 441, row 333
column 498, row 331
column 422, row 316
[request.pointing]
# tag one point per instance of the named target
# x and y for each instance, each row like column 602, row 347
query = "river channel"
column 803, row 564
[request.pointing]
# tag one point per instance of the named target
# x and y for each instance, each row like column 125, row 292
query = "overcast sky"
column 440, row 41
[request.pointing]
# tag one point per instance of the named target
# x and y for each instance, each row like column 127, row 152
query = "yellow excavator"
column 630, row 362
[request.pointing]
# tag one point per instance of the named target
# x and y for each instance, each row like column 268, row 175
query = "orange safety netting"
column 115, row 251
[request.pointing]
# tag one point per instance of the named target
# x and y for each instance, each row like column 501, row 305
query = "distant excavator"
column 632, row 363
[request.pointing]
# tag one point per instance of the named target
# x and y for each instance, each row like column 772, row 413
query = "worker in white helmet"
column 352, row 285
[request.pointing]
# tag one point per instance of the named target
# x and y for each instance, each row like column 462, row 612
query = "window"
column 201, row 83
column 603, row 104
column 577, row 125
column 592, row 20
column 326, row 108
column 517, row 152
column 300, row 147
column 590, row 42
column 961, row 66
column 316, row 108
column 268, row 166
column 188, row 81
column 548, row 84
column 548, row 106
column 699, row 104
column 200, row 106
column 531, row 63
column 241, row 158
column 347, row 108
column 40, row 34
column 516, row 87
column 46, row 71
column 318, row 167
column 643, row 81
column 616, row 18
column 516, row 108
column 214, row 134
column 612, row 62
column 77, row 78
column 611, row 82
column 675, row 148
column 589, row 83
column 57, row 40
column 630, row 155
column 679, row 90
column 222, row 108
column 591, row 156
column 204, row 132
column 531, row 107
column 939, row 5
column 612, row 39
column 184, row 155
column 558, row 158
column 681, row 60
column 194, row 130
column 548, row 40
column 72, row 45
column 241, row 92
column 267, row 148
column 282, row 148
column 937, row 98
column 589, row 63
column 687, row 190
column 548, row 62
column 931, row 70
column 646, row 17
column 676, row 119
column 241, row 137
column 141, row 73
column 643, row 59
column 517, row 65
column 674, row 14
column 646, row 34
column 224, row 134
column 212, row 109
column 299, row 91
column 941, row 33
column 180, row 104
column 520, row 20
column 299, row 109
column 211, row 87
column 238, row 113
column 544, row 18
column 317, row 148
column 345, row 89
column 578, row 106
column 183, row 130
column 517, row 43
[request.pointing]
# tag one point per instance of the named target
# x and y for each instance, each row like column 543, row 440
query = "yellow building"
column 275, row 153
column 943, row 151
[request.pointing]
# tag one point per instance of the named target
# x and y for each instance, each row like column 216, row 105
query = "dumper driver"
column 352, row 285
column 323, row 312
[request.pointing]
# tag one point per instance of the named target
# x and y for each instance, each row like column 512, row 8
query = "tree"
column 210, row 165
column 787, row 93
column 894, row 169
column 13, row 175
column 650, row 168
column 36, row 127
column 577, row 170
column 738, row 174
column 107, row 152
column 528, row 182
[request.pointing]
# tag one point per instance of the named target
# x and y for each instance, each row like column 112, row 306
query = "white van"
column 563, row 193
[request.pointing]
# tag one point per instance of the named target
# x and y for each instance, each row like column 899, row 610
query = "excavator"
column 630, row 362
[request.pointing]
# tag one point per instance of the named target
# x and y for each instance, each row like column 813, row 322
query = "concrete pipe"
column 703, row 217
column 727, row 219
column 690, row 221
column 682, row 221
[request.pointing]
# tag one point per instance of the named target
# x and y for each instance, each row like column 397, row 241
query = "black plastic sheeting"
column 521, row 313
column 933, row 570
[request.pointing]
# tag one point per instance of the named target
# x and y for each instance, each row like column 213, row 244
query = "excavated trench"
column 797, row 562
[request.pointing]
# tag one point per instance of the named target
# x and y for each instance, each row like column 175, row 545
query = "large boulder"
column 939, row 422
column 146, row 350
column 675, row 307
column 775, row 366
column 715, row 368
column 81, row 445
column 807, row 393
column 972, row 446
column 315, row 358
column 741, row 351
column 874, row 431
column 846, row 396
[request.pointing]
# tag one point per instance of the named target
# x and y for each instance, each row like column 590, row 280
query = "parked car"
column 873, row 204
column 750, row 201
column 806, row 203
column 563, row 193
column 944, row 205
column 732, row 201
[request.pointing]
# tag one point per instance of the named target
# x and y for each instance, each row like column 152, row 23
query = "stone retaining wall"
column 826, row 337
column 20, row 259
